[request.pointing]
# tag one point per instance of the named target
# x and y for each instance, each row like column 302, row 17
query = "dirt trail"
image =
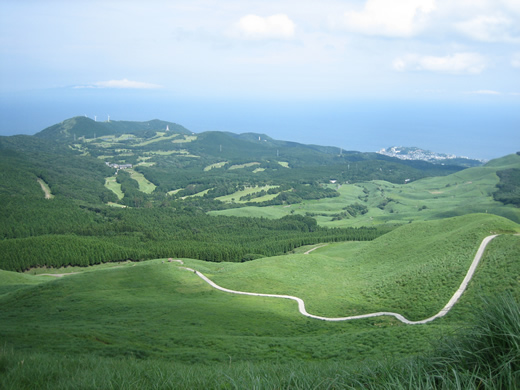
column 313, row 249
column 301, row 303
column 46, row 189
column 59, row 275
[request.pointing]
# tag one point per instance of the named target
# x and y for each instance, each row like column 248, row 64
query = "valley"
column 348, row 233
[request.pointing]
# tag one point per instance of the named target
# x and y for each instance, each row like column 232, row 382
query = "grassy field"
column 216, row 165
column 155, row 317
column 483, row 355
column 465, row 192
column 235, row 197
column 144, row 185
column 181, row 152
column 186, row 138
column 114, row 186
column 239, row 166
column 404, row 271
column 160, row 136
column 45, row 188
column 157, row 310
column 198, row 194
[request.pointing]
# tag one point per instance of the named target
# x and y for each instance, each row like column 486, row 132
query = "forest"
column 77, row 228
column 509, row 187
column 190, row 175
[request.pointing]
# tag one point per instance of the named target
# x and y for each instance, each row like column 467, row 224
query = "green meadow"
column 155, row 313
column 158, row 138
column 216, row 165
column 198, row 194
column 464, row 192
column 235, row 197
column 240, row 166
column 144, row 185
column 186, row 138
column 404, row 271
column 114, row 186
column 156, row 309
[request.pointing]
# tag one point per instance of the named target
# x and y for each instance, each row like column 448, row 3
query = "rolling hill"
column 92, row 211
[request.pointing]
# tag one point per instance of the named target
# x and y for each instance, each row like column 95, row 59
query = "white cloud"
column 515, row 61
column 458, row 63
column 403, row 18
column 512, row 6
column 121, row 84
column 485, row 92
column 277, row 26
column 489, row 28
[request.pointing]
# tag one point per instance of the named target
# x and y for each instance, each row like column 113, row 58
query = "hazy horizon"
column 358, row 74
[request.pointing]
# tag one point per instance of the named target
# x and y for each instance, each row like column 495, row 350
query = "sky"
column 443, row 75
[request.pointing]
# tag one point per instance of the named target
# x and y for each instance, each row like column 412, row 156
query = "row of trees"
column 509, row 187
column 116, row 235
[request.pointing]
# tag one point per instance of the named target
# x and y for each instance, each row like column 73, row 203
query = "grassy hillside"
column 464, row 192
column 157, row 318
column 156, row 309
column 72, row 129
column 413, row 270
column 417, row 228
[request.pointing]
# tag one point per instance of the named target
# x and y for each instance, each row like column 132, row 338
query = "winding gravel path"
column 301, row 303
column 313, row 249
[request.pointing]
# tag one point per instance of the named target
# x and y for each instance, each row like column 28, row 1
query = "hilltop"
column 83, row 127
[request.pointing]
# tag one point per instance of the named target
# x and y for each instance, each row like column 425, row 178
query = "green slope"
column 412, row 270
column 72, row 129
column 464, row 192
column 24, row 159
column 156, row 309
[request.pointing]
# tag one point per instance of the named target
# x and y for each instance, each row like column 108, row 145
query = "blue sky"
column 360, row 74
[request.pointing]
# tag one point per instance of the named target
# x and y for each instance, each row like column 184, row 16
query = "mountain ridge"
column 76, row 128
column 85, row 127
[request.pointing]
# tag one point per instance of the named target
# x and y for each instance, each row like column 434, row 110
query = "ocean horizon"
column 473, row 128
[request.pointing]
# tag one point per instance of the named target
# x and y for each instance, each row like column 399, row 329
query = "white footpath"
column 301, row 303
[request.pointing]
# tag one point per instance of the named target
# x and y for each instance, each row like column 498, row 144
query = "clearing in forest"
column 46, row 189
column 216, row 165
column 235, row 197
column 112, row 184
column 144, row 185
column 238, row 166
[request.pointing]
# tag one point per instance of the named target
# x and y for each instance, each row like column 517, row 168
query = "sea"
column 476, row 128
